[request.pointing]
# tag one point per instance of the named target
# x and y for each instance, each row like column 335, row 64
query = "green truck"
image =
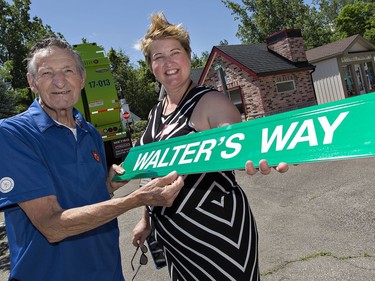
column 101, row 105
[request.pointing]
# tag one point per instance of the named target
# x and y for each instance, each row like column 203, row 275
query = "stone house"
column 262, row 79
column 344, row 68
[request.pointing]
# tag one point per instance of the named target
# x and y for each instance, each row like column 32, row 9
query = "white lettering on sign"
column 177, row 149
column 162, row 163
column 236, row 146
column 189, row 153
column 305, row 133
column 205, row 150
column 142, row 160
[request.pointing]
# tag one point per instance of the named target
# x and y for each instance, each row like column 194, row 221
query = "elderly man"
column 54, row 187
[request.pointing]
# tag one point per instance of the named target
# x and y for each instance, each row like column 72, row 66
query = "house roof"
column 330, row 50
column 256, row 59
column 195, row 74
column 336, row 48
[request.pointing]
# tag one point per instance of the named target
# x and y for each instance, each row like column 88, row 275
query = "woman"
column 209, row 232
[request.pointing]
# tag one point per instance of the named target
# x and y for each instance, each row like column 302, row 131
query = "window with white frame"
column 285, row 86
column 235, row 97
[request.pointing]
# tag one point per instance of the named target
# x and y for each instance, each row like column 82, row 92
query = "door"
column 359, row 77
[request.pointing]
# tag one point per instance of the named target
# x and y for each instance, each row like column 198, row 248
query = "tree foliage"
column 8, row 98
column 136, row 84
column 330, row 9
column 315, row 32
column 138, row 129
column 197, row 62
column 146, row 92
column 320, row 22
column 18, row 32
column 260, row 18
column 356, row 18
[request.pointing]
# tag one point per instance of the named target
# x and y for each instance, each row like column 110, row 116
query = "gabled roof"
column 195, row 74
column 257, row 60
column 337, row 48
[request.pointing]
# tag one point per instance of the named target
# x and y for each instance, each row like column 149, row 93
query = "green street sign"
column 334, row 131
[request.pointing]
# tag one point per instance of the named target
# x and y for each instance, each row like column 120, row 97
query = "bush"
column 138, row 129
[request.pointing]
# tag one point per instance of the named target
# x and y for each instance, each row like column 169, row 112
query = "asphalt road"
column 316, row 222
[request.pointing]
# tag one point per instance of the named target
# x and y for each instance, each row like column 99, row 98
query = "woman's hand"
column 264, row 169
column 140, row 232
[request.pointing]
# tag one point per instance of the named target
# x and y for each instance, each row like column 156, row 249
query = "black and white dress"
column 209, row 233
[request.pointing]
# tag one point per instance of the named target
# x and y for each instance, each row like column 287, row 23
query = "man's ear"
column 83, row 80
column 31, row 83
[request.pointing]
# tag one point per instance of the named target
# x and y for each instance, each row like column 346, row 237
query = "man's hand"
column 161, row 191
column 114, row 185
column 264, row 168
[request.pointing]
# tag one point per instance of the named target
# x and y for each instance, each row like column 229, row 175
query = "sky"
column 121, row 23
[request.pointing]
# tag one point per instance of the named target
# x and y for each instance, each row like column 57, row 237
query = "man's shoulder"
column 26, row 119
column 17, row 121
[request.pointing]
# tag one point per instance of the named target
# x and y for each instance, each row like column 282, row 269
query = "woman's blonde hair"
column 160, row 28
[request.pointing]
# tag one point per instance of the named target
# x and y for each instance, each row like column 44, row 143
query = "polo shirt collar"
column 43, row 121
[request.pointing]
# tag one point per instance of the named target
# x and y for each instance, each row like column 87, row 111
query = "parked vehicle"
column 101, row 105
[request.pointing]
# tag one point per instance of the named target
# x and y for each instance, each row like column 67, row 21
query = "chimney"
column 288, row 43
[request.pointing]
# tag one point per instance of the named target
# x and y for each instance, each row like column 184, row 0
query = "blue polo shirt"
column 40, row 158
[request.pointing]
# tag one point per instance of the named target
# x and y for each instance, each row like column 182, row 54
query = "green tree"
column 121, row 70
column 370, row 32
column 136, row 84
column 357, row 18
column 260, row 18
column 138, row 129
column 197, row 61
column 8, row 97
column 146, row 92
column 330, row 9
column 17, row 34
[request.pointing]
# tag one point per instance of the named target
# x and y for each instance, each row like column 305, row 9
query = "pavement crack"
column 318, row 255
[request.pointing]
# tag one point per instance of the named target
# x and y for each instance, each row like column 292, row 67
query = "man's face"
column 57, row 79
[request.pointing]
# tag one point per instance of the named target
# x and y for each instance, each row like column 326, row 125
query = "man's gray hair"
column 52, row 42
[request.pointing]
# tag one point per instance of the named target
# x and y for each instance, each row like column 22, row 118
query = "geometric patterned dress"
column 209, row 233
